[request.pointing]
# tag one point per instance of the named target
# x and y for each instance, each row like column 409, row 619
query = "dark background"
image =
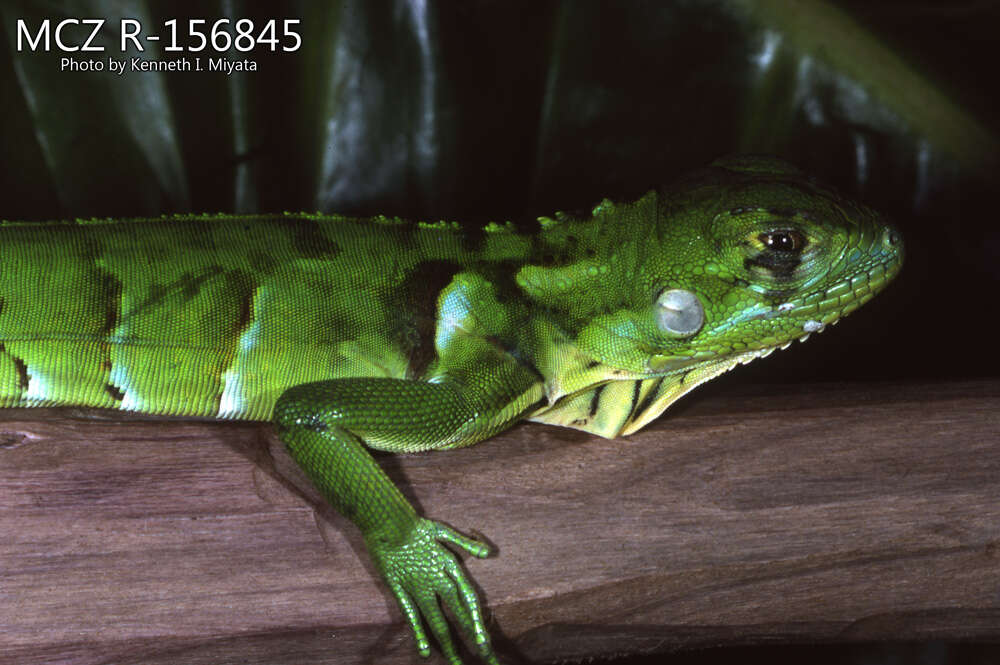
column 484, row 109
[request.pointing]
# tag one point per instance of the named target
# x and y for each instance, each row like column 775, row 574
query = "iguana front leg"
column 324, row 425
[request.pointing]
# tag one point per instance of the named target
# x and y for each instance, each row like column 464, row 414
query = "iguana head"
column 736, row 260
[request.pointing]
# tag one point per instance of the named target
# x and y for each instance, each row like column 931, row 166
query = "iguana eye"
column 783, row 240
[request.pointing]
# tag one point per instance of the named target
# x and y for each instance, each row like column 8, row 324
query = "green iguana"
column 408, row 336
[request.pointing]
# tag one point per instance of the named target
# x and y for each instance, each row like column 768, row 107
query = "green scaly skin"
column 405, row 336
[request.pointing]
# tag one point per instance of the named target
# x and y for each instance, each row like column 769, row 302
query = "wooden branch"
column 831, row 513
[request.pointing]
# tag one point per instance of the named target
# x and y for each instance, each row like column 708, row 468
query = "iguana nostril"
column 892, row 238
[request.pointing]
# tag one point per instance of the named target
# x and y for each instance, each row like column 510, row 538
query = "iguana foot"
column 420, row 572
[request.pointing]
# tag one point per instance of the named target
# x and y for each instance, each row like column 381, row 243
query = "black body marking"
column 649, row 397
column 245, row 317
column 635, row 398
column 262, row 262
column 23, row 378
column 111, row 294
column 187, row 286
column 781, row 265
column 415, row 303
column 595, row 401
column 308, row 238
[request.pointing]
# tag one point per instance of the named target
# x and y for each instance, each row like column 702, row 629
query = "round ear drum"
column 679, row 313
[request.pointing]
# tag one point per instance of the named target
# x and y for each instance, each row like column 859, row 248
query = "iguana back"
column 217, row 315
